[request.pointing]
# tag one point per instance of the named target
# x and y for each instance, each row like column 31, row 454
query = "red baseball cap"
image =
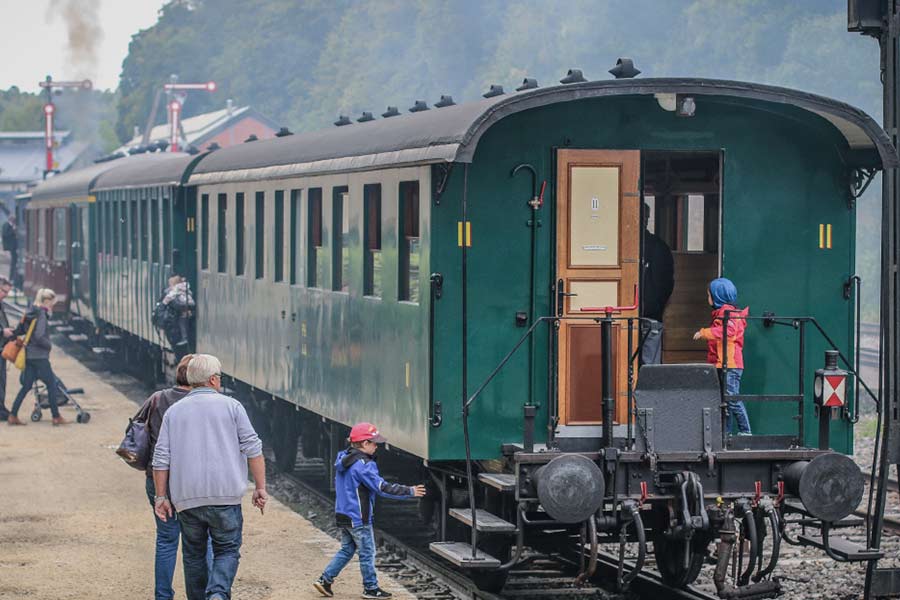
column 366, row 431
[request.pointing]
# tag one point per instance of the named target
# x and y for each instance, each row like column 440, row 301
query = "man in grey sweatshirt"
column 205, row 445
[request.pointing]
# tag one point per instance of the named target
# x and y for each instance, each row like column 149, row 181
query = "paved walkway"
column 75, row 522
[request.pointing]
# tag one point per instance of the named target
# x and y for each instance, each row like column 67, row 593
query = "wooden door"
column 598, row 247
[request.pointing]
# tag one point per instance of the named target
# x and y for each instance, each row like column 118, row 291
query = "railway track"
column 544, row 576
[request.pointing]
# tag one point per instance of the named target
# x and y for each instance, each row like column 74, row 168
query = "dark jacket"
column 356, row 483
column 39, row 345
column 658, row 276
column 10, row 241
column 159, row 402
column 4, row 324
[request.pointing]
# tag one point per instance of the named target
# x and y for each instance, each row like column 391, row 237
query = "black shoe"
column 323, row 587
column 376, row 593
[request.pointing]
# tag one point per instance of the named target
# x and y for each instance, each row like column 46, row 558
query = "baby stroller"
column 65, row 397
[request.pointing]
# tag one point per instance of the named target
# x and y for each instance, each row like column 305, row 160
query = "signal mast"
column 51, row 87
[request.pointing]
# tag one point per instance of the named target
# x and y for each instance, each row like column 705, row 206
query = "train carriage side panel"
column 338, row 352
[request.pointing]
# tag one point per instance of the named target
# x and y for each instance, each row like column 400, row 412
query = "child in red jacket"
column 722, row 295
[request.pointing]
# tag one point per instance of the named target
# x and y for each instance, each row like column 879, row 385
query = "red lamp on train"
column 830, row 395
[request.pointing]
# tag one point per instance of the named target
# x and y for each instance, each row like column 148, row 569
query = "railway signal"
column 177, row 93
column 51, row 87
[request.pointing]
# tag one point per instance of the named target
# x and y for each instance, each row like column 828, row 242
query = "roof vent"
column 284, row 132
column 213, row 147
column 161, row 145
column 419, row 106
column 251, row 138
column 496, row 90
column 527, row 84
column 444, row 101
column 573, row 76
column 366, row 116
column 192, row 149
column 390, row 112
column 342, row 120
column 624, row 69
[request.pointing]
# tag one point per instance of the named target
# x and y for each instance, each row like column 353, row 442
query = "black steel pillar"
column 607, row 400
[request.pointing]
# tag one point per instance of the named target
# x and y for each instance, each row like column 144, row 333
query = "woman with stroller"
column 37, row 355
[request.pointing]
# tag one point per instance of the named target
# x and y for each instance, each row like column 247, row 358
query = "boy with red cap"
column 356, row 483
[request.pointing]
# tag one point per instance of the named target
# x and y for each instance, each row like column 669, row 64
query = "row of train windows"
column 46, row 232
column 318, row 261
column 130, row 226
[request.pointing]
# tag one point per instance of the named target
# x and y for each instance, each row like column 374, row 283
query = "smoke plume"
column 83, row 33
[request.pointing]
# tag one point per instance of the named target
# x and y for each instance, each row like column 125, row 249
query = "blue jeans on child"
column 223, row 525
column 736, row 408
column 356, row 539
column 167, row 533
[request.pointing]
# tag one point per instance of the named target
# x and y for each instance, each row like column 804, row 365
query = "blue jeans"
column 358, row 539
column 736, row 408
column 167, row 533
column 223, row 525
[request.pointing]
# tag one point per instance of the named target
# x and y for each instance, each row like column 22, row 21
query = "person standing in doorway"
column 10, row 235
column 658, row 281
column 7, row 336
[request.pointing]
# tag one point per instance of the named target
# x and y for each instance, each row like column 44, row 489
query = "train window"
column 204, row 231
column 239, row 232
column 222, row 228
column 372, row 233
column 314, row 236
column 167, row 230
column 278, row 223
column 340, row 274
column 133, row 220
column 42, row 228
column 409, row 241
column 154, row 228
column 295, row 224
column 114, row 225
column 260, row 220
column 143, row 221
column 60, row 245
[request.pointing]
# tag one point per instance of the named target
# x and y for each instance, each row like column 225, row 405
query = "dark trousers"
column 3, row 412
column 37, row 368
column 13, row 259
column 223, row 525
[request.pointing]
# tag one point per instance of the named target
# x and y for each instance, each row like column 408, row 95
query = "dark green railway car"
column 326, row 244
column 144, row 218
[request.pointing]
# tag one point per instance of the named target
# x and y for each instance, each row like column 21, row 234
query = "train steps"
column 503, row 482
column 77, row 337
column 102, row 350
column 845, row 549
column 485, row 521
column 63, row 329
column 460, row 554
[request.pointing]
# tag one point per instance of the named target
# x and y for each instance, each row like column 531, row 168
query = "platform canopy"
column 452, row 133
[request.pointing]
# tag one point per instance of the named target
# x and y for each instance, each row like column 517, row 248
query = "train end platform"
column 75, row 522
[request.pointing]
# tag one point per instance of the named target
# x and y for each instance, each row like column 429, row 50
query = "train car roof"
column 71, row 186
column 143, row 170
column 451, row 134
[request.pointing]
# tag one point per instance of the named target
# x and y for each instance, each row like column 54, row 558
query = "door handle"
column 561, row 295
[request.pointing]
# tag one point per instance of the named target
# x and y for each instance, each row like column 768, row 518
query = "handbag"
column 135, row 446
column 14, row 350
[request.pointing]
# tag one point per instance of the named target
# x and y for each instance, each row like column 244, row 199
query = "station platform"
column 75, row 522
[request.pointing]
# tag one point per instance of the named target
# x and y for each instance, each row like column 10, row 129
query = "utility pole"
column 50, row 86
column 879, row 19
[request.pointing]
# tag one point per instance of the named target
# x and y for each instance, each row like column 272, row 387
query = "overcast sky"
column 36, row 39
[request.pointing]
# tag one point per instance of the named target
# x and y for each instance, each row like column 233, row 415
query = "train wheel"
column 677, row 570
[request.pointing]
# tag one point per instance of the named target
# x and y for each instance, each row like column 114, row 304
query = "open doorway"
column 682, row 202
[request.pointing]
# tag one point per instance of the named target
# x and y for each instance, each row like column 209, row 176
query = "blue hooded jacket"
column 356, row 483
column 722, row 291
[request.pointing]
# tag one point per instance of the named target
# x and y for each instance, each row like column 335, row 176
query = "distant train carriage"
column 144, row 218
column 58, row 235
